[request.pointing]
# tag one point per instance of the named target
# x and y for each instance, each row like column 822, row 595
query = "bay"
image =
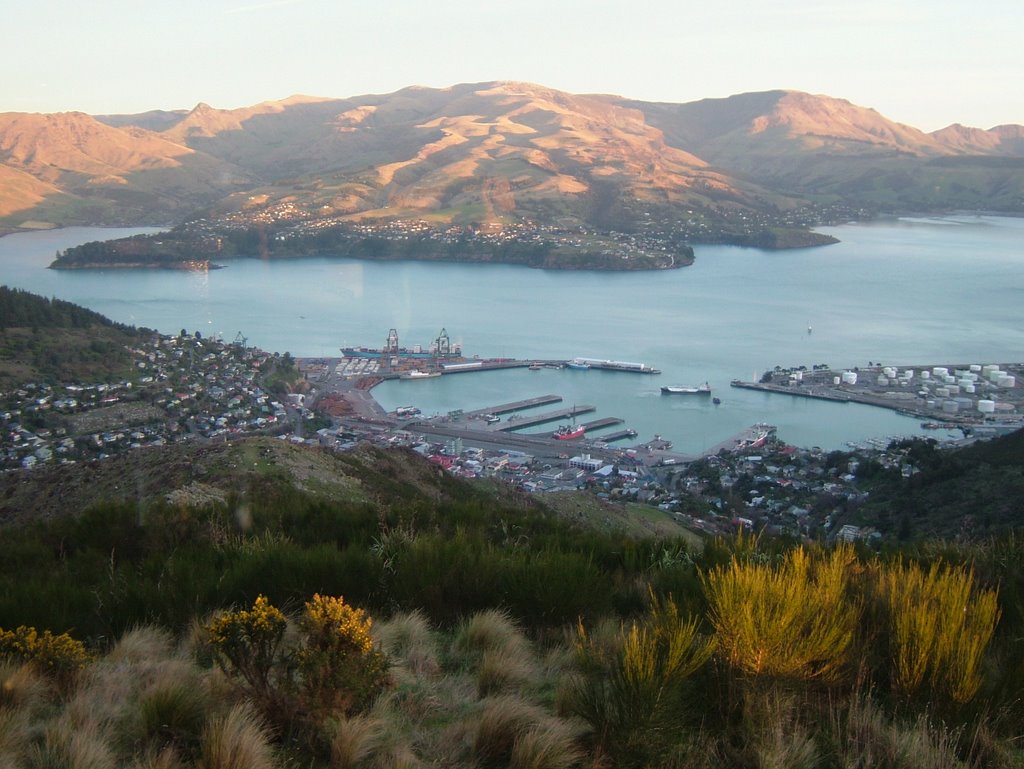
column 907, row 292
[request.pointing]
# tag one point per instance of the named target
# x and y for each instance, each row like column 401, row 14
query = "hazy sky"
column 928, row 64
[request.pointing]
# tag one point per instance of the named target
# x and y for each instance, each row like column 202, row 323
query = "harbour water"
column 911, row 291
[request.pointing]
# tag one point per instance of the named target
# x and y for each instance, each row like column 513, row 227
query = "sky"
column 927, row 64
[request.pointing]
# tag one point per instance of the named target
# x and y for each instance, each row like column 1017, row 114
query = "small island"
column 194, row 245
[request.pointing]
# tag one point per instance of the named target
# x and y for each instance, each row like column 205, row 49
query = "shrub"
column 631, row 688
column 60, row 656
column 940, row 628
column 246, row 643
column 793, row 620
column 339, row 666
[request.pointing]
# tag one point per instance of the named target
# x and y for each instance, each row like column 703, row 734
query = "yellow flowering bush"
column 247, row 642
column 60, row 656
column 339, row 667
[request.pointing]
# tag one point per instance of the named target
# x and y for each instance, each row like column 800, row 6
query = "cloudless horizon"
column 924, row 64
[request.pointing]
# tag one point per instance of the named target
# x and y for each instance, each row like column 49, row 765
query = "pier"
column 548, row 416
column 600, row 424
column 507, row 408
column 618, row 435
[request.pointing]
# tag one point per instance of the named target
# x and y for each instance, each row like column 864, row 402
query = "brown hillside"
column 498, row 151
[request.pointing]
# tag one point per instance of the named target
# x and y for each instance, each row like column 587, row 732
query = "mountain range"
column 493, row 152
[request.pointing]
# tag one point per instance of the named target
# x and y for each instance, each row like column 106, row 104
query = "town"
column 187, row 388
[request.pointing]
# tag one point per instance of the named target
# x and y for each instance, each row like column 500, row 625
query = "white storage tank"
column 835, row 380
column 949, row 379
column 993, row 376
column 969, row 388
column 1007, row 380
column 909, row 373
column 950, row 407
column 798, row 375
column 940, row 371
column 883, row 380
column 942, row 392
column 975, row 368
column 986, row 370
column 890, row 372
column 850, row 377
column 953, row 389
column 986, row 406
column 926, row 375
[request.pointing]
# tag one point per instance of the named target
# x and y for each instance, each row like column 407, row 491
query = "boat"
column 534, row 367
column 577, row 364
column 420, row 375
column 441, row 347
column 491, row 418
column 704, row 389
column 716, row 400
column 569, row 432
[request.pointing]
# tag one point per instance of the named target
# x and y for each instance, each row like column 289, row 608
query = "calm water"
column 905, row 292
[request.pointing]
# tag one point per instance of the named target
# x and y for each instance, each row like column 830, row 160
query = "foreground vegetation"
column 479, row 631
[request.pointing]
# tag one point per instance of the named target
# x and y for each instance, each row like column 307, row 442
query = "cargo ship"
column 568, row 433
column 441, row 347
column 612, row 365
column 704, row 389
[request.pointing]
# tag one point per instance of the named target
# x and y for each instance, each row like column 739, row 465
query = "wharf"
column 618, row 435
column 600, row 424
column 507, row 408
column 819, row 393
column 520, row 423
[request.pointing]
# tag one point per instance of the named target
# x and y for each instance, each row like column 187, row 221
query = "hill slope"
column 500, row 151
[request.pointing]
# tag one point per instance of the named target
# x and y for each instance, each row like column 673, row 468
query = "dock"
column 507, row 408
column 520, row 423
column 600, row 424
column 618, row 435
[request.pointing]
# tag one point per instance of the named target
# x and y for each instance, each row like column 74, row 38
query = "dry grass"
column 76, row 746
column 505, row 670
column 354, row 740
column 552, row 744
column 408, row 641
column 166, row 758
column 142, row 644
column 490, row 630
column 865, row 736
column 502, row 721
column 238, row 740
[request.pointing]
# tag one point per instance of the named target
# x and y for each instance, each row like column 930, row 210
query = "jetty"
column 508, row 408
column 522, row 422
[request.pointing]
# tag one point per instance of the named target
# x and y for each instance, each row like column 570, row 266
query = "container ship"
column 441, row 347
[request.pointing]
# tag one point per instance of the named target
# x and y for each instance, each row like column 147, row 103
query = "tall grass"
column 237, row 740
column 354, row 740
